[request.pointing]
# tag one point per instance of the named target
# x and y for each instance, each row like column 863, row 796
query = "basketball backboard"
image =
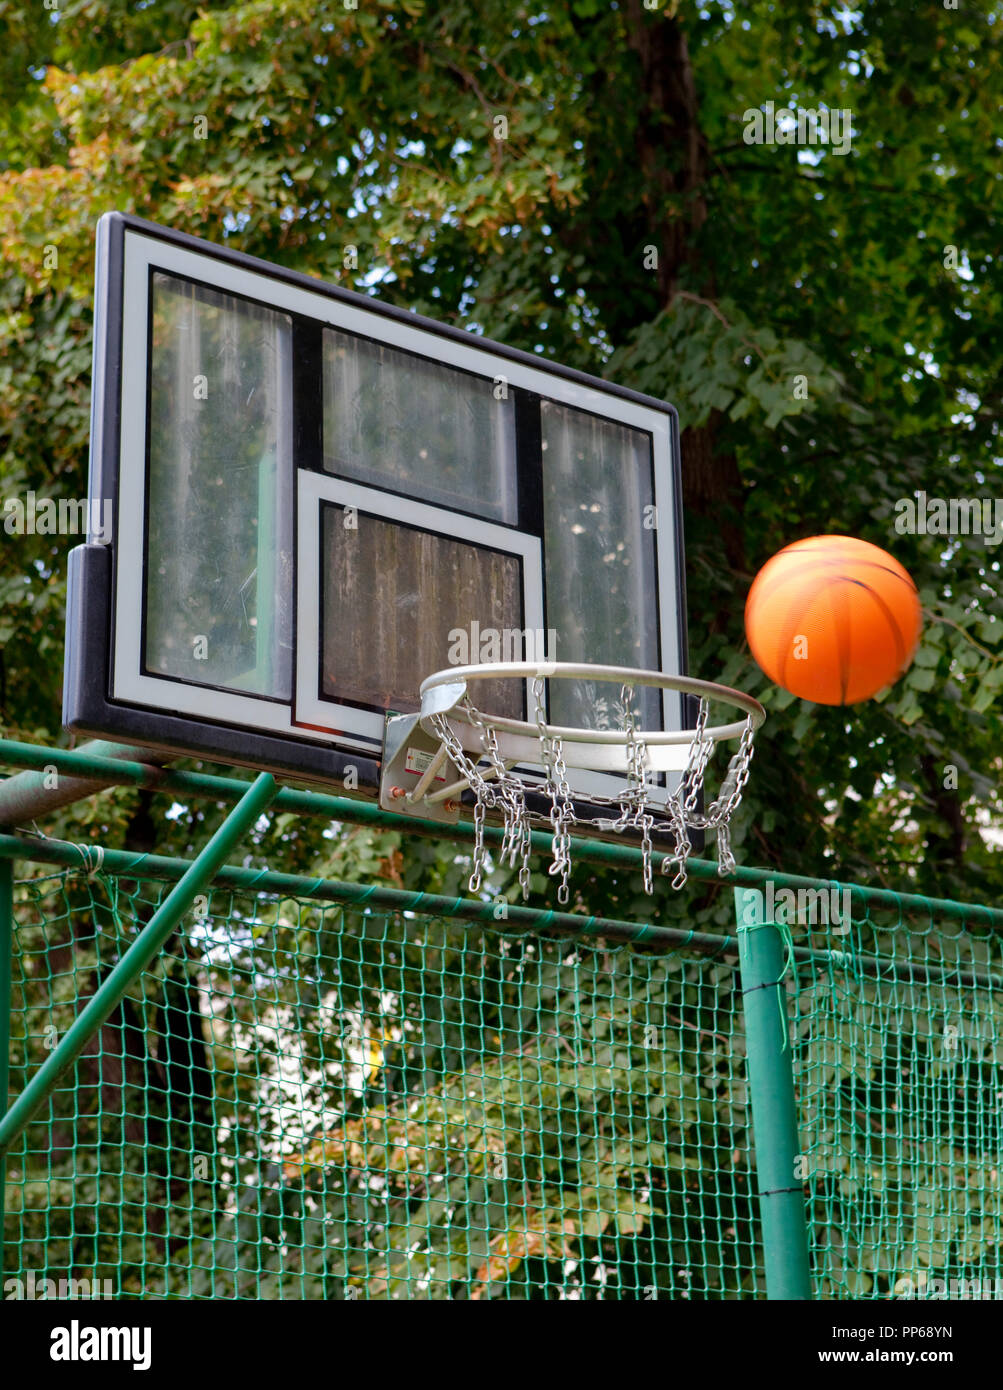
column 317, row 500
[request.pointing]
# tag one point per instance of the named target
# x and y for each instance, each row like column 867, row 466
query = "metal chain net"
column 501, row 788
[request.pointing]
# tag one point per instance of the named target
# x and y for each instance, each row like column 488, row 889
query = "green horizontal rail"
column 343, row 808
column 30, row 792
column 150, row 941
column 122, row 863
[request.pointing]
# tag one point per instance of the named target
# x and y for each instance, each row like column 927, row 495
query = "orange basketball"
column 833, row 619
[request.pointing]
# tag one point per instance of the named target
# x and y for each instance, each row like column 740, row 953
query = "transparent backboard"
column 318, row 500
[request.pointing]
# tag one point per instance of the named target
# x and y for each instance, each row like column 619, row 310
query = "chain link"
column 562, row 815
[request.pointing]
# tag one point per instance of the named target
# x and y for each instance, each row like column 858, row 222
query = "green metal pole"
column 6, row 971
column 121, row 863
column 117, row 772
column 31, row 793
column 771, row 1089
column 534, row 919
column 139, row 955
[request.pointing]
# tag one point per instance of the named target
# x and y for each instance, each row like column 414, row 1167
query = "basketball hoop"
column 503, row 761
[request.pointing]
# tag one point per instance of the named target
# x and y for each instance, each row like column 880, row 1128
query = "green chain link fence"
column 321, row 1090
column 306, row 1100
column 899, row 1063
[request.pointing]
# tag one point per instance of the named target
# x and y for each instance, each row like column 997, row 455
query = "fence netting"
column 898, row 1048
column 302, row 1100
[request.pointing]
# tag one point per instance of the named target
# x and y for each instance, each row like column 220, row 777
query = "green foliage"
column 328, row 127
column 709, row 357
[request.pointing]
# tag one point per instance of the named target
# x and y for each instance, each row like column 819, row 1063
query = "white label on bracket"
column 417, row 762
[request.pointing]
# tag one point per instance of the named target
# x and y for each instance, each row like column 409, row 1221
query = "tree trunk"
column 673, row 157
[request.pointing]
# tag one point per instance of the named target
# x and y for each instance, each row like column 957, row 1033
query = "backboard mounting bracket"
column 415, row 769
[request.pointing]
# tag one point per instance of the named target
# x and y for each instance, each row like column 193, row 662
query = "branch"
column 471, row 81
column 708, row 304
column 704, row 1032
column 774, row 167
column 939, row 618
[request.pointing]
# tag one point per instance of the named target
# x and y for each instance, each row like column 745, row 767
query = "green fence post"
column 139, row 955
column 771, row 1088
column 6, row 973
